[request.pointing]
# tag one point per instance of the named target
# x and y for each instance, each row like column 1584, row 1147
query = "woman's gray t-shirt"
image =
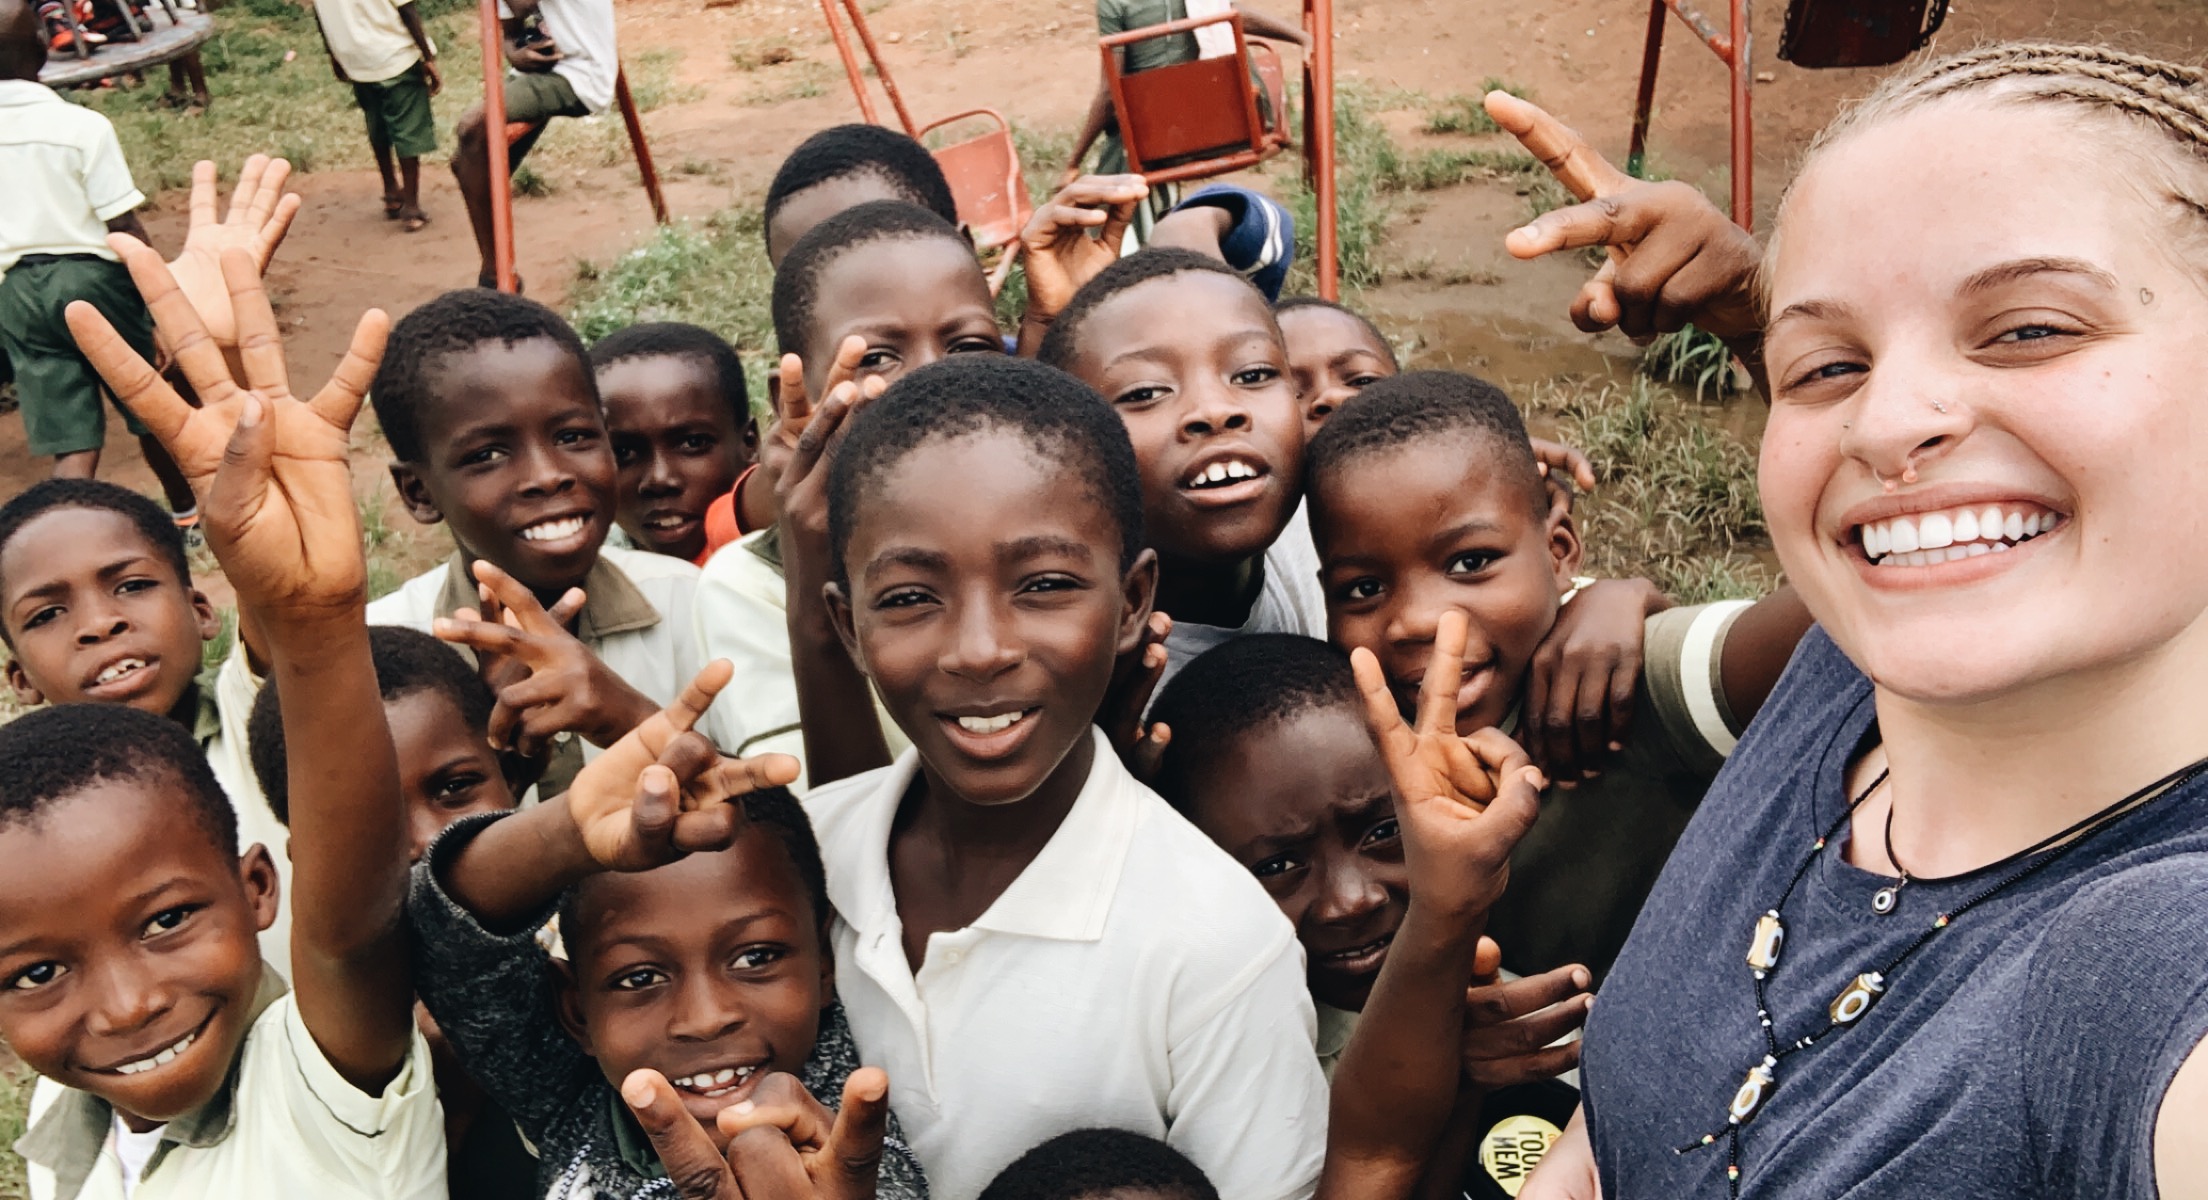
column 2024, row 1051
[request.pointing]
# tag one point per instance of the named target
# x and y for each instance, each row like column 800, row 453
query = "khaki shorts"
column 63, row 398
column 536, row 97
column 398, row 113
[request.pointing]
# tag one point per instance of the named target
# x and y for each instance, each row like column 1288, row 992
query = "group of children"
column 1088, row 742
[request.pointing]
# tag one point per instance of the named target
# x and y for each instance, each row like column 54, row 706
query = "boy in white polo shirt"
column 565, row 59
column 381, row 48
column 67, row 188
column 1028, row 940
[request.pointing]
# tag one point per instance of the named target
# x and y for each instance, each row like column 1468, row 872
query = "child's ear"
column 1564, row 548
column 414, row 494
column 210, row 625
column 751, row 433
column 1139, row 594
column 567, row 1004
column 827, row 965
column 839, row 615
column 263, row 890
column 26, row 692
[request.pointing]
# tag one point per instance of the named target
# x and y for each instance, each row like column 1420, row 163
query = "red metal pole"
column 494, row 135
column 643, row 150
column 1636, row 153
column 874, row 55
column 1318, row 19
column 850, row 62
column 1744, row 129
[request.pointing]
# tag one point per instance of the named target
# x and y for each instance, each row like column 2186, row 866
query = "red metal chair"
column 986, row 181
column 1194, row 120
column 1732, row 48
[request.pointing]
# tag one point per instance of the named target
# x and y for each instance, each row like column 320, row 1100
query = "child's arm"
column 272, row 476
column 414, row 29
column 1263, row 25
column 1464, row 803
column 783, row 1144
column 562, row 687
column 1674, row 258
column 835, row 703
column 1758, row 647
column 1092, row 125
column 1579, row 688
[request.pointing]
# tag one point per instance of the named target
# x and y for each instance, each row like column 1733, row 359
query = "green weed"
column 1691, row 358
column 652, row 80
column 529, row 182
column 753, row 54
column 712, row 273
column 15, row 1103
column 802, row 80
column 1468, row 114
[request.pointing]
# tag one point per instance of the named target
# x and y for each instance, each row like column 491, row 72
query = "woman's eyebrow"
column 2025, row 268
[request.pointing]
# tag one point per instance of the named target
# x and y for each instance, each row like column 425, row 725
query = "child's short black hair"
column 451, row 324
column 1292, row 303
column 1062, row 344
column 797, row 281
column 1419, row 405
column 1099, row 1162
column 968, row 393
column 407, row 661
column 1238, row 686
column 58, row 751
column 775, row 810
column 678, row 339
column 152, row 521
column 843, row 150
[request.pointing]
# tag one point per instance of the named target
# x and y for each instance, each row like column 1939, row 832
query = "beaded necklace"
column 1863, row 991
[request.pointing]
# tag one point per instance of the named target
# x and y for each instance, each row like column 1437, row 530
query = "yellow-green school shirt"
column 284, row 1126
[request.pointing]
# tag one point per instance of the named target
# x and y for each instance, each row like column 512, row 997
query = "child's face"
column 2030, row 339
column 517, row 462
column 677, row 446
column 126, row 934
column 1331, row 357
column 96, row 613
column 803, row 210
column 1408, row 534
column 914, row 300
column 1196, row 369
column 446, row 768
column 1305, row 804
column 987, row 604
column 711, row 970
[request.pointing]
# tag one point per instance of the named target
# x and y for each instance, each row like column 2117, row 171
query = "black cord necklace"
column 1864, row 990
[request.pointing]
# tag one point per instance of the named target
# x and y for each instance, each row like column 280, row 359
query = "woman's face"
column 1978, row 308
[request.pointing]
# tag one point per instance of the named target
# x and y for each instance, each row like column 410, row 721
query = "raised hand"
column 1464, row 802
column 1509, row 1026
column 547, row 681
column 259, row 216
column 1134, row 679
column 794, row 406
column 1674, row 258
column 1581, row 681
column 1074, row 235
column 663, row 791
column 269, row 469
column 782, row 1143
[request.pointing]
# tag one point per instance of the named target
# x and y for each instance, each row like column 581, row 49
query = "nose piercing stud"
column 1939, row 408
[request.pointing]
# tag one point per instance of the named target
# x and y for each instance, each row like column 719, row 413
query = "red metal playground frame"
column 1734, row 47
column 494, row 123
column 1318, row 111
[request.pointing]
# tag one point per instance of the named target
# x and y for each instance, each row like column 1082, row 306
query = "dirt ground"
column 1032, row 59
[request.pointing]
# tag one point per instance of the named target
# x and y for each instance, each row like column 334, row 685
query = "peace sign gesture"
column 268, row 468
column 1674, row 258
column 782, row 1143
column 662, row 791
column 548, row 682
column 1464, row 802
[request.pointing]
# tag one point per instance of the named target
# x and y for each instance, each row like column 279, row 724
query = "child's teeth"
column 162, row 1059
column 990, row 724
column 553, row 530
column 119, row 670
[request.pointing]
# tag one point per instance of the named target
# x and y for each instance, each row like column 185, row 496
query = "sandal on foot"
column 392, row 207
column 413, row 222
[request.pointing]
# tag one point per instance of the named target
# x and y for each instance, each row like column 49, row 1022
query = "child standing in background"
column 380, row 47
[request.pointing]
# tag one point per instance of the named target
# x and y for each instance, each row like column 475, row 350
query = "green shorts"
column 60, row 393
column 398, row 113
column 532, row 98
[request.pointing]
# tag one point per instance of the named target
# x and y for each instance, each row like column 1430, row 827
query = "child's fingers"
column 1624, row 683
column 685, row 1149
column 736, row 777
column 797, row 407
column 1546, row 1063
column 690, row 757
column 1602, row 222
column 1526, row 1035
column 854, row 1150
column 1498, row 1003
column 697, row 695
column 191, row 348
column 1566, row 154
column 241, row 486
column 483, row 637
column 1487, row 959
column 1097, row 190
column 519, row 602
column 652, row 817
column 563, row 610
column 202, row 207
column 260, row 349
column 248, row 186
column 844, row 367
column 1595, row 308
column 135, row 383
column 1381, row 715
column 1437, row 693
column 1500, row 753
column 780, row 1103
column 1113, row 233
column 339, row 400
column 271, row 233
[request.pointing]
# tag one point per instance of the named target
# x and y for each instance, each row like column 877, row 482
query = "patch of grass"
column 528, row 182
column 1043, row 154
column 15, row 1104
column 1677, row 501
column 1691, row 358
column 652, row 80
column 712, row 273
column 754, row 54
column 1425, row 170
column 800, row 80
column 1468, row 114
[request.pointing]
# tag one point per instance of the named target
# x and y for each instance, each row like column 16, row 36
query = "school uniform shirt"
column 1579, row 877
column 636, row 618
column 743, row 616
column 367, row 38
column 284, row 1125
column 1289, row 600
column 589, row 52
column 1133, row 977
column 66, row 178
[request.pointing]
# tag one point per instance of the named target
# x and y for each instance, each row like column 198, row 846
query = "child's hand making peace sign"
column 782, row 1143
